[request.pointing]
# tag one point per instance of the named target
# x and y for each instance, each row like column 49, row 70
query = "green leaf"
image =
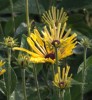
column 71, row 4
column 4, row 4
column 38, row 67
column 88, row 63
column 88, row 86
column 76, row 92
column 19, row 7
column 2, row 87
column 67, row 95
column 23, row 41
column 21, row 29
column 74, row 82
column 78, row 24
column 8, row 29
column 76, row 89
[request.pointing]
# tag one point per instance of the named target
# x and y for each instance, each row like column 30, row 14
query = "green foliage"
column 80, row 20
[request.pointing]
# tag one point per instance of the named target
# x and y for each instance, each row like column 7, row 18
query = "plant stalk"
column 84, row 72
column 12, row 12
column 9, row 74
column 1, row 29
column 53, row 71
column 38, row 8
column 27, row 17
column 24, row 83
column 62, row 96
column 56, row 57
column 36, row 82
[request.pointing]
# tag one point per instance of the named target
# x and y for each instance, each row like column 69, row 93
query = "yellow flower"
column 40, row 53
column 42, row 50
column 1, row 69
column 56, row 34
column 66, row 48
column 1, row 63
column 63, row 81
column 55, row 16
column 57, row 37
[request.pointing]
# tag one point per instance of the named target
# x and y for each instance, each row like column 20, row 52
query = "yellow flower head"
column 55, row 16
column 42, row 47
column 1, row 69
column 40, row 52
column 63, row 81
column 56, row 34
column 57, row 37
column 10, row 42
column 1, row 63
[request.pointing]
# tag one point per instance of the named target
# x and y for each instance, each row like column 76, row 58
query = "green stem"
column 85, row 52
column 53, row 71
column 37, row 4
column 62, row 96
column 84, row 72
column 53, row 75
column 13, row 19
column 45, row 77
column 23, row 83
column 1, row 29
column 36, row 81
column 27, row 17
column 56, row 56
column 69, row 93
column 9, row 75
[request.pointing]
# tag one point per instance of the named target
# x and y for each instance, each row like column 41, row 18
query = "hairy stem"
column 36, row 81
column 9, row 75
column 84, row 72
column 23, row 83
column 27, row 17
column 12, row 12
column 62, row 95
column 56, row 57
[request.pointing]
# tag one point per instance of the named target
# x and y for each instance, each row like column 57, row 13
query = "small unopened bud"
column 23, row 60
column 9, row 42
column 86, row 42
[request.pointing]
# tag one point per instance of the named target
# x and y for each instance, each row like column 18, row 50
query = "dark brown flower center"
column 55, row 42
column 61, row 84
column 50, row 55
